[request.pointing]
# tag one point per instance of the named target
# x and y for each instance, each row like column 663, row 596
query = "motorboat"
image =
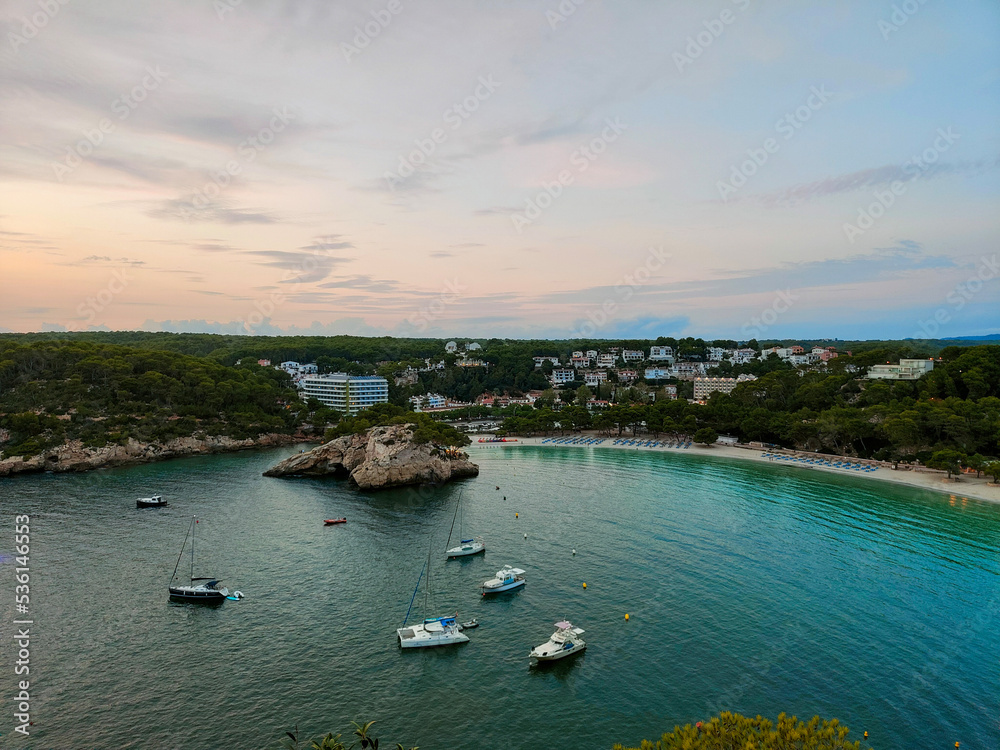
column 566, row 641
column 156, row 501
column 333, row 521
column 433, row 631
column 467, row 547
column 506, row 579
column 200, row 589
column 470, row 625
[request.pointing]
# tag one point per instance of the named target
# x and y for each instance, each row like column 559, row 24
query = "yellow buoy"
column 626, row 617
column 515, row 515
column 585, row 585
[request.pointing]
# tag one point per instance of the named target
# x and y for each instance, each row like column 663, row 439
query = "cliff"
column 74, row 456
column 379, row 458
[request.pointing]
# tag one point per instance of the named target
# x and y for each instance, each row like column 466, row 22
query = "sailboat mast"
column 181, row 553
column 453, row 519
column 194, row 520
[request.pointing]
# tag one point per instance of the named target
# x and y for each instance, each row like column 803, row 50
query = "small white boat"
column 506, row 579
column 472, row 546
column 433, row 631
column 467, row 547
column 566, row 641
column 156, row 501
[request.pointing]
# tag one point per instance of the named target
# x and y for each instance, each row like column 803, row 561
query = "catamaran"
column 506, row 579
column 470, row 546
column 433, row 631
column 207, row 589
column 566, row 641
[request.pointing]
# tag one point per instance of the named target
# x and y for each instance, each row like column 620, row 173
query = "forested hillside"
column 52, row 391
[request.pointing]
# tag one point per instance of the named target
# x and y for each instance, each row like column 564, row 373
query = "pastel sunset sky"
column 731, row 168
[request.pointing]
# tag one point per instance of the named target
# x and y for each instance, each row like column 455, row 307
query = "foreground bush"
column 729, row 731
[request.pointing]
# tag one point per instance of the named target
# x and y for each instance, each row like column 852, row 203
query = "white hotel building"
column 348, row 394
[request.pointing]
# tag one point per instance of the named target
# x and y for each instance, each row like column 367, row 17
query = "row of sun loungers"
column 653, row 443
column 834, row 464
column 574, row 441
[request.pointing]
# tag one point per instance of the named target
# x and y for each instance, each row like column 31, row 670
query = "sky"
column 725, row 169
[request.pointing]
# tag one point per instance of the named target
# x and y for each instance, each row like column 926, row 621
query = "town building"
column 451, row 347
column 592, row 353
column 671, row 391
column 661, row 354
column 606, row 360
column 428, row 401
column 705, row 387
column 716, row 354
column 264, row 362
column 632, row 355
column 627, row 376
column 579, row 361
column 658, row 373
column 562, row 375
column 472, row 346
column 742, row 356
column 348, row 394
column 907, row 369
column 539, row 361
column 595, row 377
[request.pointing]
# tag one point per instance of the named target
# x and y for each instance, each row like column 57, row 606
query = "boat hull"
column 206, row 597
column 409, row 639
column 505, row 587
column 150, row 504
column 472, row 549
column 556, row 655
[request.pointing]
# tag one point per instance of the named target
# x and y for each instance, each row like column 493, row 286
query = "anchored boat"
column 207, row 589
column 433, row 631
column 566, row 641
column 470, row 546
column 156, row 501
column 506, row 579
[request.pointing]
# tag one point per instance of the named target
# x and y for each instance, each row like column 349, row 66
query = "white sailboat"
column 566, row 641
column 432, row 631
column 506, row 579
column 470, row 546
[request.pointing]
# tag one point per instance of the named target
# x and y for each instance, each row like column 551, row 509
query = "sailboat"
column 433, row 631
column 205, row 589
column 470, row 546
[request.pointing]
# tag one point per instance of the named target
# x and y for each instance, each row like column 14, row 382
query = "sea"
column 703, row 585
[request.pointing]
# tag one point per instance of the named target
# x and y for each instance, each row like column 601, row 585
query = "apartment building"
column 348, row 394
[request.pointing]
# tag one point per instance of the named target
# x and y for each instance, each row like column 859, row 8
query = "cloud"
column 876, row 177
column 188, row 210
column 302, row 267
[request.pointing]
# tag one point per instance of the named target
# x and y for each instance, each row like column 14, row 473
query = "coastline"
column 965, row 487
column 74, row 457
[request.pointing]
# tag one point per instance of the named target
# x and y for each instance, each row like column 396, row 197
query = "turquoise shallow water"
column 753, row 587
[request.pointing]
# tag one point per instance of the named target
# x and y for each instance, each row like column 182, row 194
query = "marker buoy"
column 626, row 617
column 515, row 515
column 585, row 585
column 574, row 552
column 525, row 536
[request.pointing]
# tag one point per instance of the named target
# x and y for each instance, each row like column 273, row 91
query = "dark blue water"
column 750, row 587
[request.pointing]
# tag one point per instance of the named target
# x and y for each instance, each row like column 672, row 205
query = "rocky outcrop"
column 74, row 456
column 379, row 458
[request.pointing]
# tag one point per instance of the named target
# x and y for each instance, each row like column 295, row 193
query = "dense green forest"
column 954, row 407
column 53, row 391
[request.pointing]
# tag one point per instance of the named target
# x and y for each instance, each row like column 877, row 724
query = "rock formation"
column 74, row 456
column 379, row 458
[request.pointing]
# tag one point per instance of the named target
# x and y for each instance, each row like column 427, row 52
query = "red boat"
column 332, row 521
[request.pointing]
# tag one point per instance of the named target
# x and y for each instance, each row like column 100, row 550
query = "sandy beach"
column 964, row 487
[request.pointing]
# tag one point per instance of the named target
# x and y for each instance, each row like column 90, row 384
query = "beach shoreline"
column 965, row 487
